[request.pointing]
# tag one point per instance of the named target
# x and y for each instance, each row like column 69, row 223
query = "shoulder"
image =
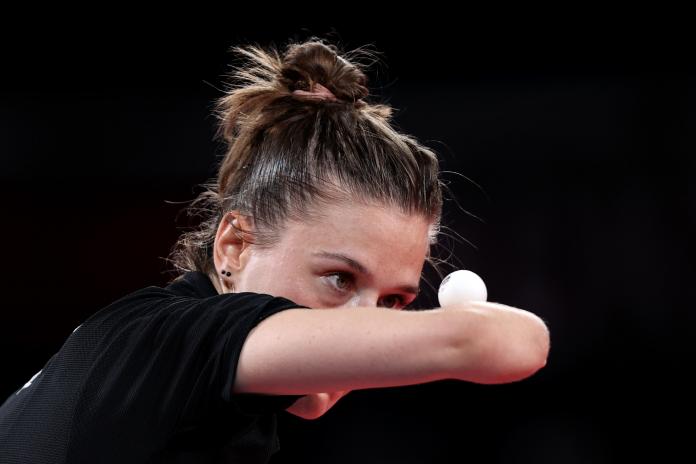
column 182, row 301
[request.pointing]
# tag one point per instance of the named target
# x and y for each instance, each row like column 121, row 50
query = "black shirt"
column 149, row 379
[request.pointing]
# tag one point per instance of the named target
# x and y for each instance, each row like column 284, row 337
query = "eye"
column 343, row 280
column 395, row 302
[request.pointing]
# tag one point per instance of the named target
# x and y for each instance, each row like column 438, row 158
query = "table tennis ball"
column 461, row 286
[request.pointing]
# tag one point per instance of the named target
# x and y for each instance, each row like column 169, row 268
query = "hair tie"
column 319, row 93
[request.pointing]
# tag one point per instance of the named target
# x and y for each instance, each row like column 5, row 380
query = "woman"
column 314, row 236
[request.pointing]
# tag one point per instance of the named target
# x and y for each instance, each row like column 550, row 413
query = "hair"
column 287, row 155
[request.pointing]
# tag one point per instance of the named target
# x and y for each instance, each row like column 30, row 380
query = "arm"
column 305, row 351
column 510, row 344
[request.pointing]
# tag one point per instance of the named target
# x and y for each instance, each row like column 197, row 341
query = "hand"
column 315, row 405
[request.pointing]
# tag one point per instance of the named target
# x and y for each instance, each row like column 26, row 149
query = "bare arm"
column 510, row 344
column 306, row 351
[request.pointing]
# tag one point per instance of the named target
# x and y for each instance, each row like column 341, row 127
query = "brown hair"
column 287, row 154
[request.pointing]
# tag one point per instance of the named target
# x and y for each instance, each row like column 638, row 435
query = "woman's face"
column 356, row 255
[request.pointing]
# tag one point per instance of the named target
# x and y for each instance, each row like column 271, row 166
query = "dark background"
column 577, row 139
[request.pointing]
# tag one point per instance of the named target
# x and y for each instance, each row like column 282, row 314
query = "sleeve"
column 252, row 403
column 168, row 363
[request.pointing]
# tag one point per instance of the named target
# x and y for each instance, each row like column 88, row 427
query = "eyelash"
column 351, row 279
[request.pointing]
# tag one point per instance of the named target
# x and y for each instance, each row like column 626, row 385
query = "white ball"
column 461, row 286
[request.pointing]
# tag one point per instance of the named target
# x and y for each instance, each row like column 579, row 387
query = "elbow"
column 541, row 344
column 529, row 355
column 510, row 346
column 545, row 346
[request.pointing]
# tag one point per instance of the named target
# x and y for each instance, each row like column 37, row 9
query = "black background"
column 575, row 134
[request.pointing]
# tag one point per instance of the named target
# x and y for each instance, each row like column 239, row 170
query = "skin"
column 391, row 246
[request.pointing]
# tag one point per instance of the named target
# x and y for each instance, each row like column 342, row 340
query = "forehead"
column 372, row 234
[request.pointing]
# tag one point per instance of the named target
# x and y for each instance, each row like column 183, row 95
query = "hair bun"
column 314, row 62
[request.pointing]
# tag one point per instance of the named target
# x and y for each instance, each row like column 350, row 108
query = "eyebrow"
column 356, row 266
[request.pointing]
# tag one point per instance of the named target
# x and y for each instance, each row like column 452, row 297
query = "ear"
column 230, row 249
